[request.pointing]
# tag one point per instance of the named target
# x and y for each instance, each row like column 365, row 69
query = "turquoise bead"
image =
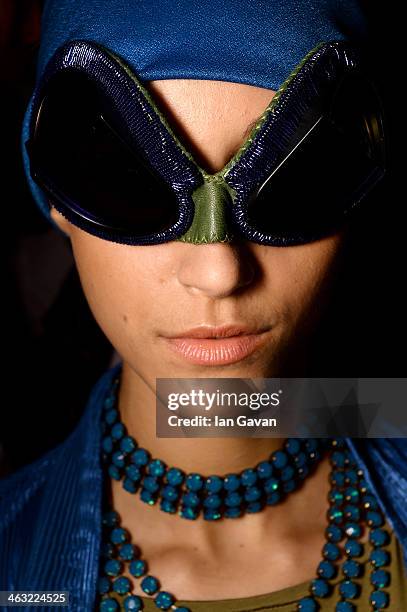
column 214, row 484
column 113, row 472
column 273, row 498
column 335, row 515
column 326, row 570
column 287, row 473
column 292, row 446
column 311, row 444
column 113, row 567
column 156, row 468
column 129, row 485
column 118, row 535
column 182, row 609
column 133, row 472
column 248, row 477
column 252, row 494
column 118, row 458
column 169, row 492
column 351, row 477
column 188, row 512
column 349, row 589
column 132, row 603
column 289, row 486
column 194, row 482
column 233, row 499
column 379, row 599
column 150, row 585
column 334, row 533
column 231, row 482
column 307, row 604
column 174, row 477
column 352, row 513
column 379, row 557
column 110, row 402
column 111, row 417
column 109, row 605
column 126, row 552
column 264, row 469
column 378, row 537
column 336, row 496
column 380, row 578
column 319, row 587
column 121, row 585
column 352, row 495
column 374, row 519
column 338, row 459
column 271, row 485
column 212, row 501
column 351, row 569
column 164, row 600
column 279, row 459
column 168, row 506
column 140, row 457
column 190, row 499
column 353, row 548
column 301, row 460
column 331, row 551
column 118, row 431
column 148, row 497
column 151, row 484
column 138, row 568
column 369, row 502
column 337, row 478
column 127, row 444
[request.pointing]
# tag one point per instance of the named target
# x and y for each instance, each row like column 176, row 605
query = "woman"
column 201, row 279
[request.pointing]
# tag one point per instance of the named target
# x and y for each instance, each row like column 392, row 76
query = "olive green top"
column 285, row 600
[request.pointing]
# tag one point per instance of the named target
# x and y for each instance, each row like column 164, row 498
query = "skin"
column 140, row 293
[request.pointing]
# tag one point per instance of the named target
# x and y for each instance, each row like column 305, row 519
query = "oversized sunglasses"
column 109, row 161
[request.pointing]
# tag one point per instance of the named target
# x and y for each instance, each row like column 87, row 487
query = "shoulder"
column 20, row 490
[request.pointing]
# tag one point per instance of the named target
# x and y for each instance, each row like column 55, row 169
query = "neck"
column 137, row 405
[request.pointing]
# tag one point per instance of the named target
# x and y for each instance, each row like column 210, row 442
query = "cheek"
column 120, row 284
column 299, row 277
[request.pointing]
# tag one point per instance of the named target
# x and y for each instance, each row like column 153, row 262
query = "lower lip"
column 208, row 351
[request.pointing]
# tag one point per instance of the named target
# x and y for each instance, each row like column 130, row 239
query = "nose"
column 217, row 263
column 215, row 270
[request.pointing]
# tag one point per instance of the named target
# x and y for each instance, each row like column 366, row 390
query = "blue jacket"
column 50, row 510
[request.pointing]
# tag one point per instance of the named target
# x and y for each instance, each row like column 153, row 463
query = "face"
column 145, row 297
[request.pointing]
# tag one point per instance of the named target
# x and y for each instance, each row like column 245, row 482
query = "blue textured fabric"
column 257, row 43
column 50, row 511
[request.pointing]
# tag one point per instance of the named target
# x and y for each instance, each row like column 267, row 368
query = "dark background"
column 54, row 351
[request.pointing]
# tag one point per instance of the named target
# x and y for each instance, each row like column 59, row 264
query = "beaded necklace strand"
column 352, row 509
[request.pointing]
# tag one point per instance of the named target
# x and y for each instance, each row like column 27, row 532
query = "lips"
column 207, row 345
column 226, row 331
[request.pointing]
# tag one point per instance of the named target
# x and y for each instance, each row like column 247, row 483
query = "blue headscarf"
column 258, row 42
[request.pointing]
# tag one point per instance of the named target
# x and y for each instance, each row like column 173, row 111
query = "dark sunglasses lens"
column 330, row 170
column 79, row 155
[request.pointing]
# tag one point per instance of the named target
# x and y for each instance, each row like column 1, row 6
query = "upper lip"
column 225, row 331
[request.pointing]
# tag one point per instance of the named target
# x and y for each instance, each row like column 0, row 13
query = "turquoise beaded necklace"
column 352, row 509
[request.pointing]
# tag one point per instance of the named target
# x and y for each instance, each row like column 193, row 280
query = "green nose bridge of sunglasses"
column 209, row 224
